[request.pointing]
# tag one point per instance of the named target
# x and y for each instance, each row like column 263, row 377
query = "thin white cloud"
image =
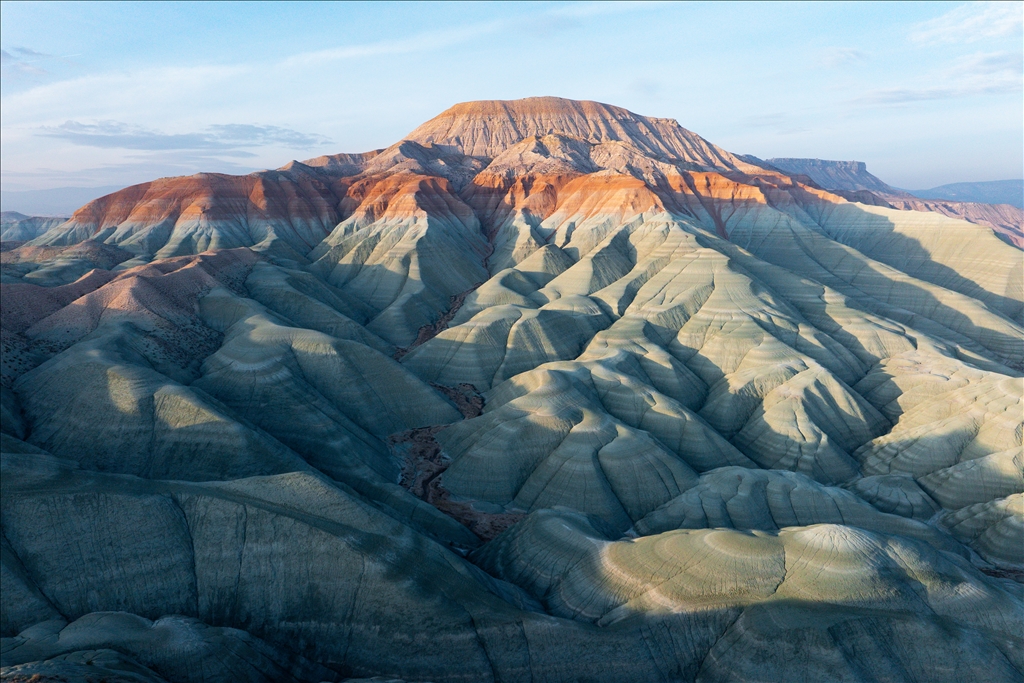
column 19, row 61
column 972, row 22
column 837, row 57
column 148, row 93
column 422, row 42
column 132, row 169
column 987, row 63
column 226, row 140
column 26, row 54
column 982, row 73
column 906, row 95
column 436, row 40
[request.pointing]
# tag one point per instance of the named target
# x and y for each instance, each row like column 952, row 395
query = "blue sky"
column 112, row 94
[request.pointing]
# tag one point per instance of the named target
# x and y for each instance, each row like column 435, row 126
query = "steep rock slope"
column 547, row 390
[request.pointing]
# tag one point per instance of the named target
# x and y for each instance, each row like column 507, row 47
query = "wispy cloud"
column 145, row 90
column 21, row 61
column 837, row 57
column 134, row 169
column 26, row 54
column 982, row 73
column 566, row 16
column 988, row 63
column 971, row 22
column 967, row 89
column 226, row 140
column 592, row 9
column 779, row 123
column 421, row 42
column 247, row 134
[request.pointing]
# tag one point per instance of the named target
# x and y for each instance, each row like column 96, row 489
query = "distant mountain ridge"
column 16, row 226
column 991, row 192
column 56, row 201
column 981, row 203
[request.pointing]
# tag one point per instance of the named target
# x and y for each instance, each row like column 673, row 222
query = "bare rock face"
column 547, row 390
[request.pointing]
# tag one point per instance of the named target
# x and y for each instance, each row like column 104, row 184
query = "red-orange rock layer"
column 216, row 195
column 487, row 128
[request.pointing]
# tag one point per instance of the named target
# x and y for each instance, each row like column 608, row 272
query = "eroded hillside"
column 547, row 390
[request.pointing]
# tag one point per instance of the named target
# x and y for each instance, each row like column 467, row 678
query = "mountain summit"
column 489, row 127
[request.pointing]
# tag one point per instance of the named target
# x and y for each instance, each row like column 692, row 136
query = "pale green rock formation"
column 588, row 577
column 406, row 266
column 740, row 498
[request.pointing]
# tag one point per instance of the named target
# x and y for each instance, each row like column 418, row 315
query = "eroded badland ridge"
column 547, row 390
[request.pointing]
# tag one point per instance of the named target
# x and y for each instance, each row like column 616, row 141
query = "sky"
column 111, row 94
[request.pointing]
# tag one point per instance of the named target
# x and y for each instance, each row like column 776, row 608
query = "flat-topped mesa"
column 850, row 176
column 488, row 127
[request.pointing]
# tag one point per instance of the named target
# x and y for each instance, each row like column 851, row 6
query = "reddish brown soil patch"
column 33, row 254
column 24, row 304
column 1012, row 574
column 465, row 397
column 421, row 475
column 428, row 332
